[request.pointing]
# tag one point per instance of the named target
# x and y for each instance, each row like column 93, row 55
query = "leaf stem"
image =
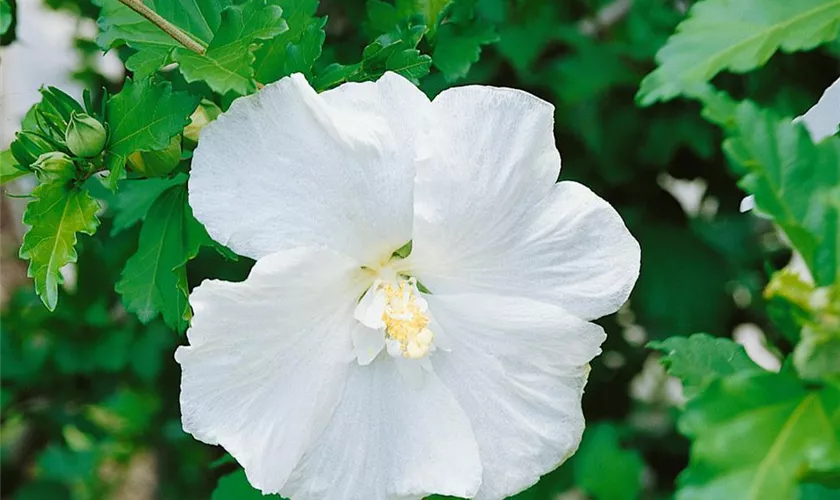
column 170, row 29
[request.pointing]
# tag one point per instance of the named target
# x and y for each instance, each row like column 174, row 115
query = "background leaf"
column 604, row 469
column 5, row 16
column 235, row 486
column 457, row 48
column 294, row 50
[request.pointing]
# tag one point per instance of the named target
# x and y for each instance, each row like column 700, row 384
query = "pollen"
column 406, row 319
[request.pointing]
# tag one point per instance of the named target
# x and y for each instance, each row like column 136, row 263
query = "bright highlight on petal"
column 328, row 373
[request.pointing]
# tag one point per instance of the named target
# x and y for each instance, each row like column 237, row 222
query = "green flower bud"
column 54, row 167
column 85, row 136
column 157, row 163
column 205, row 113
column 28, row 146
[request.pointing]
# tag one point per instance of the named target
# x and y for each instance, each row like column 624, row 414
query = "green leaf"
column 235, row 486
column 126, row 413
column 755, row 435
column 603, row 64
column 135, row 199
column 144, row 116
column 227, row 64
column 794, row 181
column 735, row 35
column 432, row 11
column 154, row 280
column 61, row 464
column 459, row 47
column 815, row 313
column 228, row 29
column 5, row 16
column 811, row 491
column 393, row 51
column 699, row 359
column 302, row 54
column 294, row 50
column 9, row 169
column 119, row 25
column 55, row 215
column 383, row 17
column 523, row 39
column 409, row 63
column 605, row 470
column 816, row 355
column 148, row 351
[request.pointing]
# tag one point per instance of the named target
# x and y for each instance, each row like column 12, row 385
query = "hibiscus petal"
column 268, row 357
column 367, row 343
column 286, row 167
column 570, row 249
column 494, row 156
column 823, row 118
column 389, row 440
column 517, row 367
column 494, row 149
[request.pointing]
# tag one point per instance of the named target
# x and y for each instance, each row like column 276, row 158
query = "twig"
column 170, row 29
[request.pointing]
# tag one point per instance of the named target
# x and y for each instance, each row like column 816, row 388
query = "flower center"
column 406, row 320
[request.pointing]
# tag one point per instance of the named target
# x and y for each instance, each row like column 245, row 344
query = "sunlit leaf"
column 227, row 64
column 735, row 35
column 755, row 435
column 56, row 214
column 701, row 358
column 228, row 29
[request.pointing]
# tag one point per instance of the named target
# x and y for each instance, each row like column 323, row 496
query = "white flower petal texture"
column 418, row 318
column 288, row 167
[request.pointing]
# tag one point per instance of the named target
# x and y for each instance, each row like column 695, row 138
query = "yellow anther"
column 405, row 318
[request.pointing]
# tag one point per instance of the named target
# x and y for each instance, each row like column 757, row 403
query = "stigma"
column 397, row 308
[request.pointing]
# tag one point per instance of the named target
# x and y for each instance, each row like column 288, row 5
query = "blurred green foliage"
column 90, row 392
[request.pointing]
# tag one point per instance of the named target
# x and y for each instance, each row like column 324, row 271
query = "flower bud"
column 28, row 146
column 205, row 113
column 56, row 107
column 85, row 136
column 157, row 163
column 54, row 166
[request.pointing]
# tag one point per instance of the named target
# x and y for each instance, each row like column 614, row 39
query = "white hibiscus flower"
column 338, row 370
